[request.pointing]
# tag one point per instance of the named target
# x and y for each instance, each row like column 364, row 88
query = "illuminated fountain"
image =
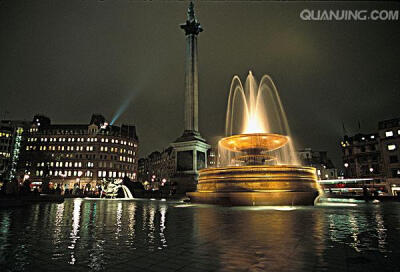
column 116, row 189
column 257, row 164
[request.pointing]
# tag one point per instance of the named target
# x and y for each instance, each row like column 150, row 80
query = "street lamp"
column 346, row 165
column 373, row 181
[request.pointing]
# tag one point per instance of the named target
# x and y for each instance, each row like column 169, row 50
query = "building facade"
column 362, row 156
column 389, row 135
column 11, row 138
column 78, row 155
column 375, row 155
column 157, row 169
column 320, row 161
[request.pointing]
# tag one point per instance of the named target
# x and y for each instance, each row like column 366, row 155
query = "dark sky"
column 69, row 59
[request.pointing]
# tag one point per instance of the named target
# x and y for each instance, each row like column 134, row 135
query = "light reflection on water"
column 76, row 214
column 117, row 235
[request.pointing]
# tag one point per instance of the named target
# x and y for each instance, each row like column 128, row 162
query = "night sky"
column 69, row 59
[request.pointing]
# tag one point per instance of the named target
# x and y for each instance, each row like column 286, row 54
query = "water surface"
column 100, row 235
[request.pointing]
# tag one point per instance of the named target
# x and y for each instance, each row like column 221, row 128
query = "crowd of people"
column 16, row 189
column 13, row 189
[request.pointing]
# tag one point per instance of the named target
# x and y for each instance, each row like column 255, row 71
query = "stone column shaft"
column 191, row 85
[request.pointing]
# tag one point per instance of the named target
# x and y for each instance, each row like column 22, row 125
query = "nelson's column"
column 190, row 149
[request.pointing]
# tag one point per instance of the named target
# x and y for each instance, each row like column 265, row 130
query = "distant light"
column 391, row 147
column 371, row 169
column 104, row 125
column 389, row 133
column 346, row 165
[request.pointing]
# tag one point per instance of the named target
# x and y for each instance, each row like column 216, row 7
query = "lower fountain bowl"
column 258, row 185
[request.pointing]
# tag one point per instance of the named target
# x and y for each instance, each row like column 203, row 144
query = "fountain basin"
column 256, row 185
column 254, row 141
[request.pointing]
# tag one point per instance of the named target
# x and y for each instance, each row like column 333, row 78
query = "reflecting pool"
column 100, row 235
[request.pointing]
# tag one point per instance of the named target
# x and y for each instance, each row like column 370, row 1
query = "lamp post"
column 371, row 170
column 346, row 165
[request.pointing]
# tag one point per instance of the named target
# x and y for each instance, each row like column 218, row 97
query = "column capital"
column 192, row 26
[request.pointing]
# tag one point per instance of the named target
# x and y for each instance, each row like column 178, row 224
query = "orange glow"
column 263, row 141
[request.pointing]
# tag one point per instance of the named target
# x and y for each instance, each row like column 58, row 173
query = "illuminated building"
column 11, row 133
column 374, row 155
column 157, row 167
column 78, row 154
column 361, row 153
column 389, row 135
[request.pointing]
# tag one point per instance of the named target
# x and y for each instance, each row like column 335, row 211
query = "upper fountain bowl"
column 254, row 141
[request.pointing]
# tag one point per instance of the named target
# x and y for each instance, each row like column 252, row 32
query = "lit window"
column 389, row 133
column 391, row 147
